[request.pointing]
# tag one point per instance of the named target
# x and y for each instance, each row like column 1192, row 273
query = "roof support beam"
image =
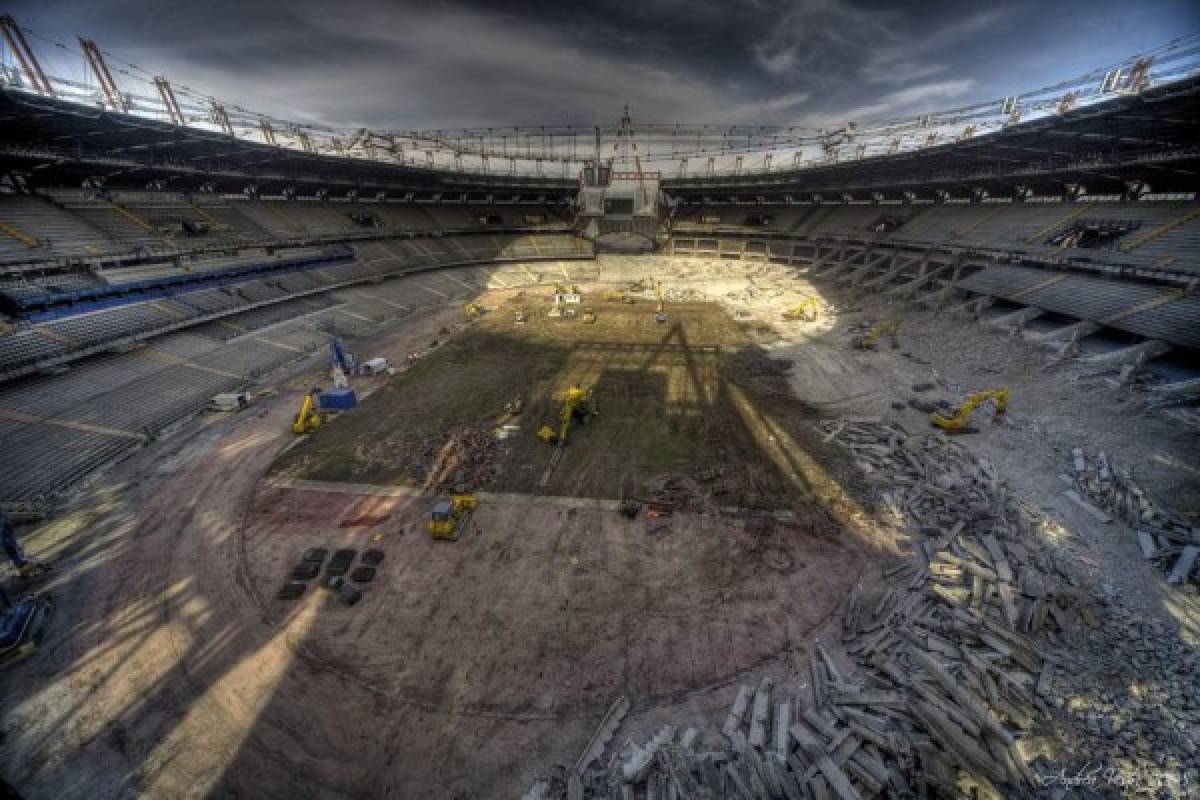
column 112, row 92
column 25, row 56
column 168, row 99
column 221, row 117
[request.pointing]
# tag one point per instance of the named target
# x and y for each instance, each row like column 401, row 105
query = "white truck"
column 375, row 366
column 229, row 401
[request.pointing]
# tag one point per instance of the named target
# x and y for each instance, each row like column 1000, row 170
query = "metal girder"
column 25, row 56
column 169, row 101
column 95, row 58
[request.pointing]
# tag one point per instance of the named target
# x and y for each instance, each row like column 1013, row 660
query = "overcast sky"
column 430, row 64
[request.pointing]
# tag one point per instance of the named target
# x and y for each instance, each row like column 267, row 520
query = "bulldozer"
column 617, row 296
column 448, row 517
column 309, row 418
column 870, row 340
column 960, row 421
column 577, row 405
column 806, row 310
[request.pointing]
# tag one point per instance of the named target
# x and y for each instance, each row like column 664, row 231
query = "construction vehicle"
column 577, row 405
column 960, row 421
column 565, row 301
column 870, row 340
column 660, row 313
column 515, row 406
column 589, row 316
column 229, row 401
column 342, row 363
column 448, row 517
column 473, row 310
column 617, row 296
column 310, row 418
column 806, row 310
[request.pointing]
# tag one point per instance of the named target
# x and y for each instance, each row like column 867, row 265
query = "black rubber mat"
column 341, row 561
column 372, row 557
column 363, row 574
column 290, row 591
column 305, row 571
column 315, row 555
column 349, row 595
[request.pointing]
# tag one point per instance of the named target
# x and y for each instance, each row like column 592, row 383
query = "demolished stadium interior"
column 758, row 571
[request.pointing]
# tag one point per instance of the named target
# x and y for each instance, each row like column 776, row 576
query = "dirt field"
column 468, row 668
column 675, row 399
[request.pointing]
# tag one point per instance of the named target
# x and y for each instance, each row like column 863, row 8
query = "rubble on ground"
column 984, row 665
column 1163, row 536
column 463, row 461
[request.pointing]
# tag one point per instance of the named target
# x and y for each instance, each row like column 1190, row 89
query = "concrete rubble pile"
column 463, row 461
column 1163, row 536
column 977, row 663
column 684, row 295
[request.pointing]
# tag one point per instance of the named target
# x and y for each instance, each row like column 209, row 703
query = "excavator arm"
column 961, row 419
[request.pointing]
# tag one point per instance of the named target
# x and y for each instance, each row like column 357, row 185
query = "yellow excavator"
column 577, row 404
column 869, row 341
column 961, row 419
column 309, row 418
column 447, row 517
column 807, row 309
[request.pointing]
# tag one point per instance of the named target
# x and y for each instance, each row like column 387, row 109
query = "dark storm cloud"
column 408, row 64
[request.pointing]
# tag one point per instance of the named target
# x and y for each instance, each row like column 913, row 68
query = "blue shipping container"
column 337, row 399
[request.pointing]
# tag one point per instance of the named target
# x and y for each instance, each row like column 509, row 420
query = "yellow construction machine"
column 961, row 419
column 309, row 418
column 577, row 405
column 617, row 296
column 807, row 309
column 473, row 310
column 589, row 316
column 448, row 517
column 869, row 341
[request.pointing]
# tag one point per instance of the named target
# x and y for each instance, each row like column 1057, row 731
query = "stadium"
column 845, row 458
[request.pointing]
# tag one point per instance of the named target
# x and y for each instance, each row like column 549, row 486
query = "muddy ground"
column 172, row 670
column 674, row 399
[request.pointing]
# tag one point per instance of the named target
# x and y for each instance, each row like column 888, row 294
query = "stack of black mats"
column 308, row 568
column 335, row 573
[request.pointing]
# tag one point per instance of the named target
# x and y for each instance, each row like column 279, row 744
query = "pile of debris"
column 683, row 295
column 465, row 460
column 966, row 654
column 1163, row 536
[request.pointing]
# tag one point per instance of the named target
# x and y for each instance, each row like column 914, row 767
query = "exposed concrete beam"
column 973, row 307
column 1067, row 333
column 863, row 271
column 1135, row 355
column 939, row 299
column 899, row 264
column 907, row 290
column 1014, row 322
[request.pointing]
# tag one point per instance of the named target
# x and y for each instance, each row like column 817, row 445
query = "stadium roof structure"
column 1152, row 137
column 1131, row 121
